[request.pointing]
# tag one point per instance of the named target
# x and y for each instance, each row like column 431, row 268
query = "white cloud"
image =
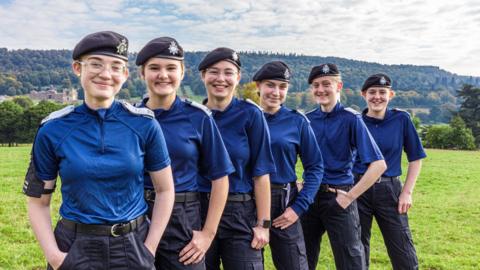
column 430, row 32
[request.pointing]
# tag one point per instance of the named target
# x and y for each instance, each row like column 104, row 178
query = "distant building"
column 66, row 96
column 3, row 98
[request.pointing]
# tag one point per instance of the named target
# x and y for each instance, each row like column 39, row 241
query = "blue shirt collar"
column 161, row 111
column 102, row 113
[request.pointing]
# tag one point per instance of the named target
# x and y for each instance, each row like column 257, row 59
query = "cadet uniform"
column 341, row 134
column 291, row 135
column 245, row 134
column 196, row 150
column 100, row 156
column 392, row 134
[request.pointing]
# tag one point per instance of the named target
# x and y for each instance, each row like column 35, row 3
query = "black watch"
column 265, row 223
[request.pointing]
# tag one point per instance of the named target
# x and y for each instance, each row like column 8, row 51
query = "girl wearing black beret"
column 196, row 150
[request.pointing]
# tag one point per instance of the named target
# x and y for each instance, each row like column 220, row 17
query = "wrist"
column 264, row 223
column 209, row 232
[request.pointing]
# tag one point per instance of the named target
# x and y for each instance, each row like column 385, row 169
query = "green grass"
column 445, row 218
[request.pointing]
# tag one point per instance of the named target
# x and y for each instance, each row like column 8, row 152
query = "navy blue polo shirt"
column 101, row 156
column 292, row 136
column 341, row 135
column 194, row 144
column 394, row 133
column 245, row 134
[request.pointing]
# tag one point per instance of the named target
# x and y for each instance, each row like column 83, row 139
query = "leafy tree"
column 454, row 136
column 10, row 115
column 250, row 91
column 470, row 109
column 24, row 102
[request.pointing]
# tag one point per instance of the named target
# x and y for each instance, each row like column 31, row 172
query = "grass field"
column 445, row 218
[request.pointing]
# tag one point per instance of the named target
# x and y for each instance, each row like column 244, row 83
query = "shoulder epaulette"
column 197, row 105
column 58, row 114
column 302, row 114
column 348, row 109
column 253, row 103
column 399, row 110
column 138, row 111
column 311, row 111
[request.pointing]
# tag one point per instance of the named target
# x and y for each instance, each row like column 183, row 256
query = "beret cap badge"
column 325, row 69
column 173, row 48
column 383, row 81
column 122, row 47
column 235, row 56
column 286, row 74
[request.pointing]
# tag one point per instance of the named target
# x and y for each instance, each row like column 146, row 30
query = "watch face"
column 266, row 224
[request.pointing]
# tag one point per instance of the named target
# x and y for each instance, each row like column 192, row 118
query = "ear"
column 339, row 86
column 391, row 93
column 141, row 72
column 364, row 94
column 77, row 68
column 239, row 77
column 202, row 75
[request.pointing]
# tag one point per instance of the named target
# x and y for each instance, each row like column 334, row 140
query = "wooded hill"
column 418, row 86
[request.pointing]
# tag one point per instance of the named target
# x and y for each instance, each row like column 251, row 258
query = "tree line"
column 20, row 118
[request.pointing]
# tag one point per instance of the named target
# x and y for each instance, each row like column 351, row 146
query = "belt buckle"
column 113, row 228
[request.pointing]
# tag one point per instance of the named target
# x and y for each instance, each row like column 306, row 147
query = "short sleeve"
column 362, row 140
column 44, row 157
column 156, row 153
column 412, row 144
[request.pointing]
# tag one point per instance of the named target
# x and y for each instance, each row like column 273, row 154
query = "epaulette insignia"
column 197, row 105
column 253, row 103
column 138, row 111
column 399, row 110
column 58, row 114
column 302, row 114
column 348, row 109
column 310, row 111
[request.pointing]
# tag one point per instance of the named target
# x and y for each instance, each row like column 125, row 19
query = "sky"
column 428, row 32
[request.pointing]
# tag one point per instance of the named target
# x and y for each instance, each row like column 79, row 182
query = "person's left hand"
column 286, row 219
column 261, row 236
column 343, row 199
column 194, row 251
column 404, row 202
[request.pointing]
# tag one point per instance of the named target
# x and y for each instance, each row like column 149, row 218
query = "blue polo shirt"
column 194, row 145
column 245, row 134
column 291, row 136
column 341, row 135
column 394, row 133
column 101, row 156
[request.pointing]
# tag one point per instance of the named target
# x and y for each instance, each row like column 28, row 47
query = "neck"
column 96, row 104
column 160, row 102
column 328, row 108
column 377, row 114
column 268, row 109
column 219, row 104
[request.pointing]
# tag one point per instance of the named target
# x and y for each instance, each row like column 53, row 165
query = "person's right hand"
column 57, row 260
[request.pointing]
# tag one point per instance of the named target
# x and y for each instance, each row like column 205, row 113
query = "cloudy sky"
column 427, row 32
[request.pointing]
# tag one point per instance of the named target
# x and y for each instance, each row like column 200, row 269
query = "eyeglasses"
column 95, row 66
column 229, row 74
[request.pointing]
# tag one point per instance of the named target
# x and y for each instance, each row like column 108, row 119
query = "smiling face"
column 220, row 80
column 272, row 94
column 326, row 90
column 162, row 76
column 101, row 77
column 377, row 99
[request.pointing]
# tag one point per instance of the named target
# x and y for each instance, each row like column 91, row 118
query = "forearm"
column 413, row 171
column 162, row 208
column 262, row 196
column 374, row 171
column 218, row 198
column 40, row 220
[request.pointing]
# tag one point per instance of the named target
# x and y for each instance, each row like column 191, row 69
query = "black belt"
column 382, row 179
column 325, row 187
column 180, row 197
column 105, row 230
column 283, row 186
column 240, row 197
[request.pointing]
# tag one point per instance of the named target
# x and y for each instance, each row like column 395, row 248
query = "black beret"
column 275, row 70
column 217, row 55
column 379, row 80
column 105, row 43
column 163, row 47
column 323, row 70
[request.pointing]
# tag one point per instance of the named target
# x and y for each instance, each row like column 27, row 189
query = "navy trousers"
column 86, row 251
column 342, row 227
column 287, row 245
column 381, row 201
column 231, row 246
